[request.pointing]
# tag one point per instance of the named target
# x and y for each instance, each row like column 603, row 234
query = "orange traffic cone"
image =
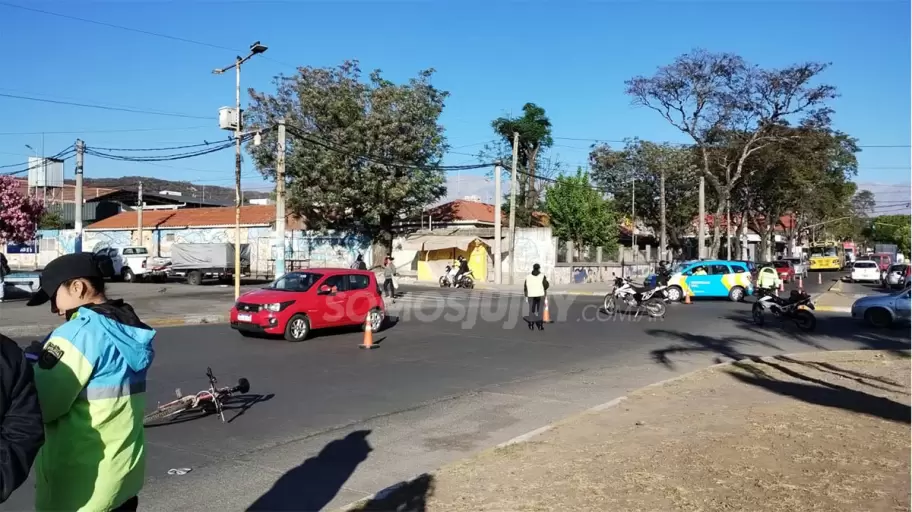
column 800, row 284
column 781, row 285
column 368, row 336
column 546, row 315
column 819, row 278
column 687, row 297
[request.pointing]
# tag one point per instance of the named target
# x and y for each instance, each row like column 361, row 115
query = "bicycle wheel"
column 165, row 413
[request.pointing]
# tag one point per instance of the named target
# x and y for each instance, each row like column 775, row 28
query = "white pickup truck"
column 132, row 264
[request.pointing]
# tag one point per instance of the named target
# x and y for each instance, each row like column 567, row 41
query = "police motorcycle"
column 466, row 280
column 797, row 308
column 651, row 300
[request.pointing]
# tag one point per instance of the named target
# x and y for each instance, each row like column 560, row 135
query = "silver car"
column 883, row 310
column 896, row 275
column 801, row 267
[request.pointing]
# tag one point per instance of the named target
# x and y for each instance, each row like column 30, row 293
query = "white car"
column 865, row 271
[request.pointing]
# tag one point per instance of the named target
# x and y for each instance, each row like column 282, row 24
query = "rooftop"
column 255, row 215
column 462, row 210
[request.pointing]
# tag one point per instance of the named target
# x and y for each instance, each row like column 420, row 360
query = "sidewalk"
column 821, row 431
column 840, row 297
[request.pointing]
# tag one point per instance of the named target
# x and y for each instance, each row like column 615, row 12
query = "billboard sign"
column 25, row 248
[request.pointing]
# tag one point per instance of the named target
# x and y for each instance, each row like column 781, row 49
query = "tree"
column 534, row 172
column 360, row 154
column 51, row 220
column 637, row 171
column 580, row 214
column 19, row 214
column 807, row 177
column 891, row 229
column 710, row 96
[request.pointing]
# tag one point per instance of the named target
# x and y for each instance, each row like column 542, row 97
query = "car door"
column 719, row 274
column 359, row 301
column 700, row 285
column 332, row 305
column 902, row 305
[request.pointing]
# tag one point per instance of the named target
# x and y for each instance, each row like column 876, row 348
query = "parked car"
column 801, row 267
column 783, row 267
column 298, row 302
column 865, row 271
column 883, row 310
column 896, row 275
column 723, row 278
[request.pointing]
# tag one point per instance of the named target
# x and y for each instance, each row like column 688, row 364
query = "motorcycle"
column 652, row 300
column 466, row 280
column 796, row 308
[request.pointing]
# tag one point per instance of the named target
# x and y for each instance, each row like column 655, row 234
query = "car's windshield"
column 865, row 264
column 295, row 281
column 780, row 263
column 680, row 267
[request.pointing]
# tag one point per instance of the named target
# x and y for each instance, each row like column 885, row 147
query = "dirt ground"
column 823, row 431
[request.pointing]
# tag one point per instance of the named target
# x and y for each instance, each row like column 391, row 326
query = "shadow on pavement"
column 408, row 496
column 313, row 484
column 820, row 392
column 895, row 339
column 699, row 343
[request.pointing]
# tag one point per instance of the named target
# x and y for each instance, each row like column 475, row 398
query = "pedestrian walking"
column 5, row 270
column 91, row 380
column 389, row 276
column 359, row 263
column 535, row 288
column 21, row 426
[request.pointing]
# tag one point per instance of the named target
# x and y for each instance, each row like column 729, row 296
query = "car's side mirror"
column 324, row 290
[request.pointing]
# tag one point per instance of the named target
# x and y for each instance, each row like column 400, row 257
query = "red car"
column 784, row 268
column 299, row 302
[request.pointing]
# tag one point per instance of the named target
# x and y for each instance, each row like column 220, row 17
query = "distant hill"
column 213, row 194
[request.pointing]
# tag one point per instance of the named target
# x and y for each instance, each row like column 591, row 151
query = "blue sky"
column 569, row 57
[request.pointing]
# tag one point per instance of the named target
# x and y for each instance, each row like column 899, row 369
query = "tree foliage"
column 580, row 214
column 891, row 229
column 535, row 171
column 360, row 153
column 711, row 97
column 19, row 214
column 51, row 219
column 634, row 174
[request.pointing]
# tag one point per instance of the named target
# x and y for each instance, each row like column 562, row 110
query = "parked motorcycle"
column 796, row 308
column 652, row 300
column 466, row 280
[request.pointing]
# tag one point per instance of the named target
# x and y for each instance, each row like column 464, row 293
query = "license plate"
column 244, row 318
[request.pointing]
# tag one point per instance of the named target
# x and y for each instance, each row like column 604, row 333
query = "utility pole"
column 498, row 229
column 633, row 216
column 139, row 213
column 77, row 210
column 44, row 172
column 701, row 233
column 663, row 236
column 280, row 201
column 728, row 229
column 513, row 205
column 255, row 48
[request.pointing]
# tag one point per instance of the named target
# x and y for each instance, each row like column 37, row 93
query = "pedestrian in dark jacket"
column 21, row 425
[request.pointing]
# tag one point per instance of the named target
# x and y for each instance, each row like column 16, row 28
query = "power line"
column 136, row 30
column 202, row 144
column 166, row 158
column 69, row 149
column 123, row 130
column 597, row 140
column 103, row 107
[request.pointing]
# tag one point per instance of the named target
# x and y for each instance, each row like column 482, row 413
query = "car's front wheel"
column 674, row 293
column 298, row 328
column 878, row 317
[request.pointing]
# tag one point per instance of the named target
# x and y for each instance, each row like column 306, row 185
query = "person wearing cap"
column 21, row 427
column 534, row 288
column 91, row 380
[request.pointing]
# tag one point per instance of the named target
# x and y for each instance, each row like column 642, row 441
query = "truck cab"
column 132, row 263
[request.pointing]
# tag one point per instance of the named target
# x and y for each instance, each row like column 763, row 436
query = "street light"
column 255, row 49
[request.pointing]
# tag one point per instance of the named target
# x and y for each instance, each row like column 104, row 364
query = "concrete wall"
column 533, row 245
column 303, row 249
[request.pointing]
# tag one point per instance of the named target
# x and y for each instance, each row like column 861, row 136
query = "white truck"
column 133, row 264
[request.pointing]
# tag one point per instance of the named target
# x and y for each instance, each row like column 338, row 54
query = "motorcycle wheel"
column 468, row 283
column 655, row 308
column 757, row 313
column 610, row 305
column 805, row 320
column 443, row 282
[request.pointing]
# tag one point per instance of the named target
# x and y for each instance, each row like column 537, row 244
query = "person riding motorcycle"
column 662, row 274
column 463, row 265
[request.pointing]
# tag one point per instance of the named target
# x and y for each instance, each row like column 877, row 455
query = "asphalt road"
column 327, row 424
